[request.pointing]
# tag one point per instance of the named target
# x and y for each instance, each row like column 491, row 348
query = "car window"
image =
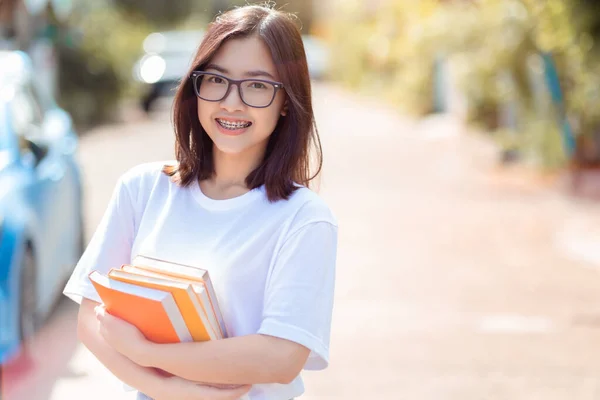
column 26, row 118
column 39, row 97
column 26, row 113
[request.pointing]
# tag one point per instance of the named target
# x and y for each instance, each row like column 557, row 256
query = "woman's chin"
column 238, row 147
column 231, row 149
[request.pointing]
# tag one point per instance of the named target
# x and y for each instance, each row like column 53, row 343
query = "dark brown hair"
column 287, row 156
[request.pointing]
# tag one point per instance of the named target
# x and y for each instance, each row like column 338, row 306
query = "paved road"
column 455, row 280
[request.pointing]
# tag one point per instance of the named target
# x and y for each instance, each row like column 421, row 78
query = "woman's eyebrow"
column 254, row 74
column 250, row 74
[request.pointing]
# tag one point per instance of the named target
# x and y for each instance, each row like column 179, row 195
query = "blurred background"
column 462, row 159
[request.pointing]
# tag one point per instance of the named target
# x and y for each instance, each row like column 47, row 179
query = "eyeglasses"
column 257, row 93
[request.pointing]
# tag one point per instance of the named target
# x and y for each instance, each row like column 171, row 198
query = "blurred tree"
column 303, row 9
column 7, row 10
column 161, row 13
column 94, row 77
column 495, row 48
column 206, row 10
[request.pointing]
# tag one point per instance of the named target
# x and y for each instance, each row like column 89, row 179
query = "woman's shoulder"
column 310, row 207
column 145, row 175
column 144, row 171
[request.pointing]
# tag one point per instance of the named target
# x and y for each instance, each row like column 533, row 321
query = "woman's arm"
column 252, row 359
column 245, row 360
column 146, row 380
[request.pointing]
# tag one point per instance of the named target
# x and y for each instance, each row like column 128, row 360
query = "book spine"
column 216, row 308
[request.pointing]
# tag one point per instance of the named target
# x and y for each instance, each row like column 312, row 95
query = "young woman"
column 236, row 202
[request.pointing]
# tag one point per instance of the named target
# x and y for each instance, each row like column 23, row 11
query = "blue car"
column 41, row 221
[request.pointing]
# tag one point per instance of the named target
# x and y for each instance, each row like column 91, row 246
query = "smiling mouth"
column 233, row 126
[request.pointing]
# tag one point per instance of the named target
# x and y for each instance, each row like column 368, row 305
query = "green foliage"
column 385, row 51
column 89, row 94
column 160, row 12
column 493, row 45
column 97, row 50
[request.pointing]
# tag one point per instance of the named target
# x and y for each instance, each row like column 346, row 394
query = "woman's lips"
column 232, row 127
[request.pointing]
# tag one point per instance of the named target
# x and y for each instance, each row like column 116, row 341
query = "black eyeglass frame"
column 237, row 82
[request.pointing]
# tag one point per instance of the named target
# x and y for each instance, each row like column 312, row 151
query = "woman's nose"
column 232, row 99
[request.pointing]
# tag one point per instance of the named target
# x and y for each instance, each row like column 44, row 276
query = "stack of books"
column 166, row 301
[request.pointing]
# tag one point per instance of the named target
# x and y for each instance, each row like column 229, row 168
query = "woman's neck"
column 231, row 171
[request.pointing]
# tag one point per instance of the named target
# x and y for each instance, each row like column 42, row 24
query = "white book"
column 187, row 271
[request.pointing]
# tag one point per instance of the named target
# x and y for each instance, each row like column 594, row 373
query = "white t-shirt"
column 272, row 264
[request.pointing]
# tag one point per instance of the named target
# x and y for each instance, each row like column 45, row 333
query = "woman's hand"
column 121, row 335
column 130, row 342
column 182, row 389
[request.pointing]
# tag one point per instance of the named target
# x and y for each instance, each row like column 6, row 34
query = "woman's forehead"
column 244, row 57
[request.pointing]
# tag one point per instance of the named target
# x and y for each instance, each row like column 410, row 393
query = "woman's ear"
column 284, row 110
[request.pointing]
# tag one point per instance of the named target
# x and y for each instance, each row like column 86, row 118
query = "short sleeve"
column 298, row 302
column 109, row 247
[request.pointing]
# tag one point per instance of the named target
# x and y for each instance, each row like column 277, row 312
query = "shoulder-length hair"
column 287, row 159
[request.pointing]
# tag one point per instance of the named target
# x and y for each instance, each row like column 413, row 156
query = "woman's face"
column 233, row 126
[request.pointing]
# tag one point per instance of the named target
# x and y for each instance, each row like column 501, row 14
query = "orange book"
column 194, row 274
column 182, row 292
column 199, row 292
column 153, row 312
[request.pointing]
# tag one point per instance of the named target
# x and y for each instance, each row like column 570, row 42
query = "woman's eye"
column 216, row 79
column 258, row 85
